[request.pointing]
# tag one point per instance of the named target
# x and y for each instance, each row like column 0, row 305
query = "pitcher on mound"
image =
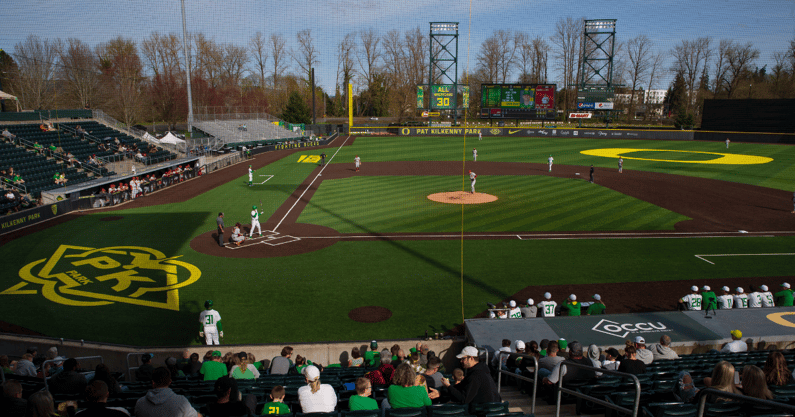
column 473, row 178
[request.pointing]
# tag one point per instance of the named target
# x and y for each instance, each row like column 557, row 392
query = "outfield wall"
column 552, row 133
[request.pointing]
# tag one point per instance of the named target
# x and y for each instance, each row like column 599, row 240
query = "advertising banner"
column 585, row 105
column 579, row 115
column 24, row 218
column 604, row 106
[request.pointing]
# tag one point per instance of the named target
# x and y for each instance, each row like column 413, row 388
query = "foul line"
column 263, row 182
column 556, row 236
column 310, row 184
column 741, row 254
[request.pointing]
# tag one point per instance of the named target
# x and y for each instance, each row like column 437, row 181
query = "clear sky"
column 768, row 24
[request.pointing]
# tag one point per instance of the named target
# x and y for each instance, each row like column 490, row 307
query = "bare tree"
column 639, row 55
column 657, row 62
column 739, row 59
column 306, row 56
column 488, row 60
column 209, row 56
column 233, row 65
column 781, row 79
column 346, row 49
column 524, row 57
column 80, row 70
column 278, row 53
column 258, row 47
column 36, row 63
column 162, row 53
column 507, row 40
column 122, row 76
column 369, row 54
column 540, row 59
column 567, row 39
column 690, row 58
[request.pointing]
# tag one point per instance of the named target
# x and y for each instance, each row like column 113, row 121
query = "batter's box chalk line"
column 269, row 237
column 266, row 180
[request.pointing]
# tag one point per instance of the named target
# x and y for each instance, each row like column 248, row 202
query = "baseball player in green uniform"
column 784, row 297
column 597, row 307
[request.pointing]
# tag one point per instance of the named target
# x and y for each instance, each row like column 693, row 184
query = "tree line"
column 144, row 81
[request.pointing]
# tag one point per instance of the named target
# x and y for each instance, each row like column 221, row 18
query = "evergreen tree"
column 296, row 110
column 677, row 99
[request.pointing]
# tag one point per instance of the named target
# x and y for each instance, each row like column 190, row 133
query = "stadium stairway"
column 521, row 402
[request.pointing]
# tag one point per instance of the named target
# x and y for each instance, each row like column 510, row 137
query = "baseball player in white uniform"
column 211, row 324
column 250, row 176
column 514, row 312
column 550, row 159
column 547, row 306
column 620, row 164
column 692, row 301
column 255, row 222
column 740, row 299
column 480, row 135
column 475, row 154
column 358, row 162
column 755, row 299
column 725, row 300
column 473, row 178
column 767, row 297
column 727, row 143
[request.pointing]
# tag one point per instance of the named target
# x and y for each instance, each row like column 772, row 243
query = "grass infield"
column 306, row 298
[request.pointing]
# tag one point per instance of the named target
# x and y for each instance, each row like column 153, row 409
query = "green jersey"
column 275, row 408
column 574, row 308
column 357, row 402
column 213, row 370
column 784, row 298
column 240, row 373
column 709, row 300
column 595, row 308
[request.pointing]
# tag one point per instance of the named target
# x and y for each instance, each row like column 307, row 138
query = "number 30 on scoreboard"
column 442, row 96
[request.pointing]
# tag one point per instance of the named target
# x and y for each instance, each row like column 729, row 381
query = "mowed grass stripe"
column 528, row 203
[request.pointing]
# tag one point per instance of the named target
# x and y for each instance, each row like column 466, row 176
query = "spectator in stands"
column 356, row 358
column 725, row 300
column 40, row 404
column 54, row 367
column 529, row 309
column 685, row 389
column 498, row 361
column 405, row 393
column 630, row 364
column 96, row 402
column 478, row 386
column 38, row 148
column 230, row 359
column 548, row 363
column 433, row 378
column 144, row 372
column 776, row 371
column 43, row 127
column 171, row 365
column 784, row 297
column 162, row 401
column 643, row 354
column 736, row 345
column 611, row 361
column 80, row 131
column 597, row 307
column 663, row 351
column 25, row 366
column 316, row 397
column 691, row 301
column 594, row 353
column 53, row 150
column 228, row 403
column 383, row 374
column 280, row 365
column 213, row 369
column 277, row 405
column 577, row 374
column 722, row 379
column 244, row 370
column 68, row 381
column 102, row 373
column 8, row 135
column 12, row 404
column 6, row 366
column 372, row 357
column 362, row 400
column 753, row 383
column 17, row 179
column 192, row 369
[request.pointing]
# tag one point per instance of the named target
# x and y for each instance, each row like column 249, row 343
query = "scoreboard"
column 442, row 97
column 518, row 101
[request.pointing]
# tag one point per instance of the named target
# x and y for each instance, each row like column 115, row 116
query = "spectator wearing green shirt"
column 784, row 297
column 277, row 405
column 404, row 393
column 597, row 307
column 214, row 368
column 572, row 306
column 372, row 359
column 362, row 400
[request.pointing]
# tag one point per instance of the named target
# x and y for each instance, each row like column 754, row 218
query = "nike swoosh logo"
column 511, row 132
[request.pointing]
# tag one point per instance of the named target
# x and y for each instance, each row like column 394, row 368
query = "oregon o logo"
column 405, row 131
column 723, row 158
column 495, row 131
column 87, row 277
column 778, row 318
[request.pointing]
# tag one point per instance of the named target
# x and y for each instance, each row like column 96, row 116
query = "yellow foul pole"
column 350, row 106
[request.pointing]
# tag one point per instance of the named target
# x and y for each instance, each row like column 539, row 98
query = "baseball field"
column 349, row 255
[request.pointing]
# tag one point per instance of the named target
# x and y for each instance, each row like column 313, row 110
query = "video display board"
column 518, row 101
column 442, row 97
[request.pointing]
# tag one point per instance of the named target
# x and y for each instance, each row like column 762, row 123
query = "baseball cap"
column 736, row 334
column 146, row 356
column 530, row 301
column 726, row 288
column 242, row 356
column 640, row 339
column 694, row 288
column 253, row 207
column 547, row 295
column 512, row 303
column 575, row 348
column 208, row 303
column 785, row 285
column 597, row 297
column 739, row 290
column 373, row 345
column 468, row 351
column 311, row 372
column 572, row 297
column 217, row 354
column 563, row 344
column 705, row 288
column 519, row 344
column 763, row 287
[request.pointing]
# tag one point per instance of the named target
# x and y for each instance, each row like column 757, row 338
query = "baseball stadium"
column 472, row 202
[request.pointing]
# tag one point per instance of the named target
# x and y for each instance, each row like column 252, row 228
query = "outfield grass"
column 306, row 298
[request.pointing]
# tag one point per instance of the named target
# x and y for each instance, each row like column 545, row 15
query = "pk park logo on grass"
column 88, row 277
column 621, row 330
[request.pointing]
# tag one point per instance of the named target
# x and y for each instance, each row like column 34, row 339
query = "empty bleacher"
column 255, row 130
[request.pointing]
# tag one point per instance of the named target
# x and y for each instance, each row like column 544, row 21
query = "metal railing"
column 9, row 182
column 130, row 368
column 46, row 386
column 706, row 392
column 561, row 389
column 501, row 371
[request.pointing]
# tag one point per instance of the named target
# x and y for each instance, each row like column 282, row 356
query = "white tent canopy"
column 171, row 138
column 6, row 96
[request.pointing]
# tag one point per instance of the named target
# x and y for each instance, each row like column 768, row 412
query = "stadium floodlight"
column 595, row 25
column 444, row 27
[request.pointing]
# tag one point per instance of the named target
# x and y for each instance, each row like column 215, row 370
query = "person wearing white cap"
column 547, row 306
column 316, row 397
column 725, row 300
column 709, row 299
column 754, row 298
column 597, row 307
column 692, row 301
column 767, row 296
column 515, row 312
column 478, row 386
column 529, row 310
column 784, row 297
column 740, row 298
column 644, row 355
column 572, row 306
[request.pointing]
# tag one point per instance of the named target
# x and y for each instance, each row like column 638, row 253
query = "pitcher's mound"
column 462, row 197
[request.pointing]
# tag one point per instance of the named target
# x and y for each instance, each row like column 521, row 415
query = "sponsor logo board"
column 623, row 330
column 580, row 115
